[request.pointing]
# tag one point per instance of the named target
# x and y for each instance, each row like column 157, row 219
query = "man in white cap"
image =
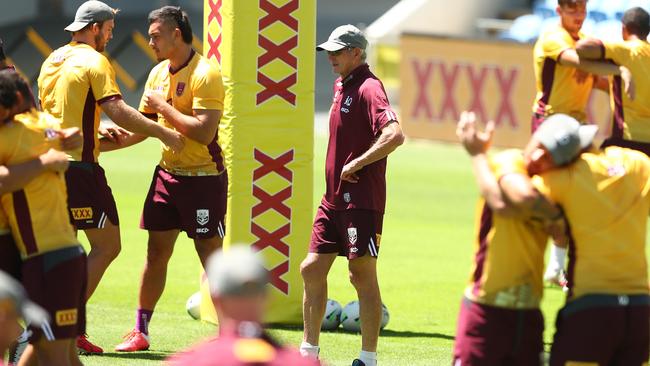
column 605, row 196
column 363, row 131
column 15, row 305
column 238, row 281
column 75, row 85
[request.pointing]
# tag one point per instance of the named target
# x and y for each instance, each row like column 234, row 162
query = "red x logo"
column 272, row 202
column 280, row 89
column 280, row 51
column 506, row 84
column 422, row 76
column 270, row 165
column 282, row 14
column 215, row 11
column 273, row 240
column 275, row 277
column 213, row 47
column 477, row 82
column 449, row 78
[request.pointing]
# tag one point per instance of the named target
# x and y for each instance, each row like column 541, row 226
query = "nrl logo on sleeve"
column 202, row 216
column 180, row 88
column 352, row 235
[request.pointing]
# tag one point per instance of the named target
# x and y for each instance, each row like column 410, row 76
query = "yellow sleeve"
column 207, row 88
column 102, row 79
column 508, row 162
column 617, row 51
column 552, row 184
column 147, row 87
column 554, row 44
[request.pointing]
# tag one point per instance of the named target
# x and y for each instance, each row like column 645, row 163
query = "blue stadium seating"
column 545, row 8
column 524, row 29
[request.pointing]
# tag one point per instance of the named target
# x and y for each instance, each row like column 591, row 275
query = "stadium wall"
column 440, row 77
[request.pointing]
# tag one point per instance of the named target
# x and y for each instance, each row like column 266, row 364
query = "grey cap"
column 564, row 137
column 342, row 37
column 91, row 12
column 235, row 272
column 12, row 290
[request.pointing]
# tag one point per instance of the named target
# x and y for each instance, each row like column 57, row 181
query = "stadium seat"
column 595, row 10
column 545, row 8
column 613, row 9
column 524, row 28
column 608, row 30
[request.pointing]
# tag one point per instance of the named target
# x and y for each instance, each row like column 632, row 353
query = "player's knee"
column 310, row 271
column 158, row 254
column 360, row 279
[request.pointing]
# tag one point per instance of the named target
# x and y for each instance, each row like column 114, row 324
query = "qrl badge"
column 180, row 88
column 202, row 216
column 352, row 235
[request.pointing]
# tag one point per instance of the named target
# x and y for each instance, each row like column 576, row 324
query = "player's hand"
column 474, row 141
column 154, row 101
column 173, row 139
column 70, row 138
column 348, row 173
column 55, row 160
column 628, row 82
column 114, row 134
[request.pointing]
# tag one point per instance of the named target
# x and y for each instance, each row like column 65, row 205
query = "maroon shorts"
column 57, row 282
column 90, row 199
column 10, row 260
column 492, row 336
column 644, row 147
column 350, row 233
column 196, row 205
column 603, row 330
column 536, row 121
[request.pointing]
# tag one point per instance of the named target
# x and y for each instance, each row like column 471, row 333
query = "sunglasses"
column 336, row 53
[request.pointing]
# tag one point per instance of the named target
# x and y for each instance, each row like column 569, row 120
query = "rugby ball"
column 351, row 320
column 193, row 305
column 332, row 317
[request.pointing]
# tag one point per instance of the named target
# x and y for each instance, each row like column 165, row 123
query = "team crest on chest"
column 202, row 216
column 180, row 88
column 352, row 235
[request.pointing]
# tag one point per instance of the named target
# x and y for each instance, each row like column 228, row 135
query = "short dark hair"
column 173, row 15
column 10, row 83
column 637, row 22
column 569, row 2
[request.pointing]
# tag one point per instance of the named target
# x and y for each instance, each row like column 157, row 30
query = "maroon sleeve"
column 379, row 110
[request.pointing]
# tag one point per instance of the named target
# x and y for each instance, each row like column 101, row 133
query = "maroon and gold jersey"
column 631, row 120
column 509, row 254
column 195, row 85
column 38, row 213
column 74, row 81
column 558, row 89
column 359, row 111
column 605, row 196
column 4, row 222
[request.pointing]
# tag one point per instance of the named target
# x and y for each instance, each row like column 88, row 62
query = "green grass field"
column 425, row 262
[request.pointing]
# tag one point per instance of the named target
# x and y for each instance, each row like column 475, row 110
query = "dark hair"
column 173, row 15
column 637, row 22
column 10, row 83
column 570, row 2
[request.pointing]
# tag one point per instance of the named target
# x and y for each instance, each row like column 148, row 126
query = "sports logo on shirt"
column 348, row 101
column 66, row 317
column 346, row 197
column 352, row 235
column 202, row 216
column 82, row 213
column 180, row 88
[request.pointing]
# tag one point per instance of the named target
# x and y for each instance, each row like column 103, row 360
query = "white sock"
column 369, row 358
column 558, row 255
column 309, row 350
